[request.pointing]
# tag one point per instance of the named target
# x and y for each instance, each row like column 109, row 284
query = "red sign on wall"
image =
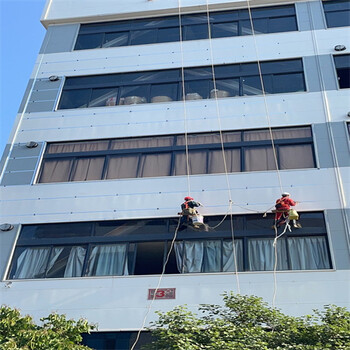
column 161, row 293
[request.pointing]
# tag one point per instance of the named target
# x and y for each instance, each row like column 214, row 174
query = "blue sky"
column 21, row 35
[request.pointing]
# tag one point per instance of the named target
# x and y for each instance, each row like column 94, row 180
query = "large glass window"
column 194, row 27
column 249, row 150
column 140, row 247
column 342, row 65
column 166, row 85
column 337, row 13
column 116, row 340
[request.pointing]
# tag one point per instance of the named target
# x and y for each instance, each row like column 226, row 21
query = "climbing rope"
column 158, row 285
column 218, row 114
column 325, row 103
column 273, row 149
column 184, row 100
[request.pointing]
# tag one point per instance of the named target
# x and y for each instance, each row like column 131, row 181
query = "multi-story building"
column 133, row 105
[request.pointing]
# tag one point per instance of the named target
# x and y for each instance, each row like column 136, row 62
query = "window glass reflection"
column 103, row 97
column 75, row 99
column 89, row 41
column 116, row 39
column 221, row 30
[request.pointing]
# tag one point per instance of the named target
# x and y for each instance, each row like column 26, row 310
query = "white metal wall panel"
column 193, row 53
column 167, row 118
column 161, row 197
column 62, row 11
column 120, row 303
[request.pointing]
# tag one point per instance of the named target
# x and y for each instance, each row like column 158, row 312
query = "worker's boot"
column 296, row 224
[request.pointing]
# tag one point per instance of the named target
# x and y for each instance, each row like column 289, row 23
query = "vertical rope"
column 273, row 149
column 158, row 285
column 222, row 146
column 325, row 102
column 184, row 100
column 264, row 96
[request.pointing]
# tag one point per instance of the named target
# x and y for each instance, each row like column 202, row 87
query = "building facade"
column 133, row 105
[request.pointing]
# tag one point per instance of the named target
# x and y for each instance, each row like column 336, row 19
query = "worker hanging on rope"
column 190, row 216
column 283, row 213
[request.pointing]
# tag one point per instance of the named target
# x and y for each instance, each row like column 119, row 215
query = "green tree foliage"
column 55, row 332
column 247, row 322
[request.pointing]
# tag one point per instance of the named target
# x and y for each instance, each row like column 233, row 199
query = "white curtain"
column 228, row 258
column 189, row 256
column 212, row 256
column 261, row 254
column 32, row 262
column 108, row 260
column 75, row 262
column 207, row 256
column 308, row 253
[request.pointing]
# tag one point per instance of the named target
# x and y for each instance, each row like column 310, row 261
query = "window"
column 166, row 85
column 140, row 247
column 194, row 27
column 249, row 150
column 337, row 13
column 116, row 340
column 342, row 65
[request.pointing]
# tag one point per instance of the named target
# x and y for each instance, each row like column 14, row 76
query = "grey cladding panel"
column 21, row 166
column 323, row 146
column 41, row 106
column 328, row 72
column 20, row 178
column 4, row 156
column 43, row 95
column 59, row 38
column 316, row 66
column 46, row 84
column 310, row 15
column 20, row 150
column 311, row 73
column 341, row 143
column 7, row 241
column 338, row 237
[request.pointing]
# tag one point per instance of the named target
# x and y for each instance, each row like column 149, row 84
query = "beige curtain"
column 290, row 133
column 55, row 171
column 122, row 167
column 155, row 165
column 78, row 146
column 296, row 157
column 144, row 142
column 216, row 161
column 86, row 169
column 197, row 161
column 261, row 158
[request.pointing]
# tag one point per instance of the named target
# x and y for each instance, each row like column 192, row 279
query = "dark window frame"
column 173, row 150
column 342, row 68
column 246, row 229
column 131, row 27
column 203, row 75
column 343, row 8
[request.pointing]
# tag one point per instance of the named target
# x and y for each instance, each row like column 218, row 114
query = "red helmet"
column 188, row 198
